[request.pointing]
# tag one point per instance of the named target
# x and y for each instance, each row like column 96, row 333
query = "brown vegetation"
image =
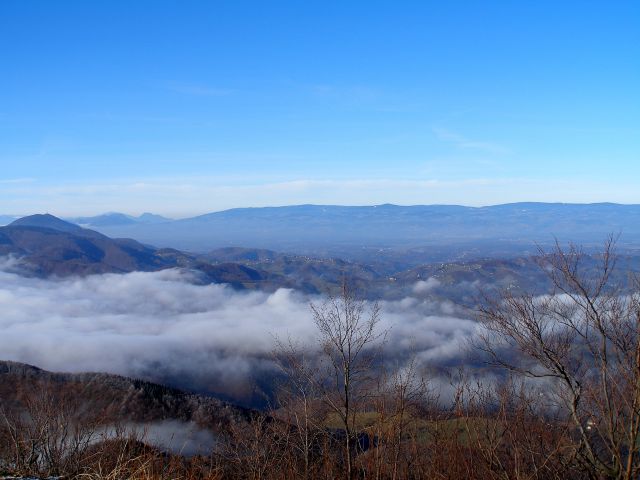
column 564, row 402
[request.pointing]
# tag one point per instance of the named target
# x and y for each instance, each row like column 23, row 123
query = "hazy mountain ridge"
column 116, row 218
column 7, row 219
column 345, row 230
column 304, row 273
column 46, row 220
column 47, row 245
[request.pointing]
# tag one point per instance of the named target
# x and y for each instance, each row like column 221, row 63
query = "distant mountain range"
column 431, row 232
column 46, row 245
column 114, row 219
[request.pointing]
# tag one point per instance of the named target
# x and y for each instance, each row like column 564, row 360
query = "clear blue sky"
column 184, row 107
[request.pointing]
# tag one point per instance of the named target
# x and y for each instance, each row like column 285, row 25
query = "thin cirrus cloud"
column 463, row 142
column 188, row 196
column 350, row 93
column 16, row 181
column 199, row 90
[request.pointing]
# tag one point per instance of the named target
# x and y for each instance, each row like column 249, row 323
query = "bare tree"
column 512, row 437
column 350, row 342
column 47, row 432
column 400, row 398
column 299, row 402
column 409, row 393
column 582, row 344
column 251, row 450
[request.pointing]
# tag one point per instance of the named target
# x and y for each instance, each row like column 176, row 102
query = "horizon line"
column 212, row 212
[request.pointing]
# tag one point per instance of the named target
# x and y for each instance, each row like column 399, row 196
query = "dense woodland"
column 559, row 398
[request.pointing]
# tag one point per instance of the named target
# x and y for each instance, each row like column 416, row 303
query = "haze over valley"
column 96, row 303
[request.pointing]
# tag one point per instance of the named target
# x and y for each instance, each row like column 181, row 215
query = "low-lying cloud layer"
column 166, row 327
column 180, row 438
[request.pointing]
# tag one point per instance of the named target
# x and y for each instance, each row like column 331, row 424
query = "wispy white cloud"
column 200, row 90
column 463, row 142
column 181, row 197
column 351, row 92
column 16, row 181
column 369, row 97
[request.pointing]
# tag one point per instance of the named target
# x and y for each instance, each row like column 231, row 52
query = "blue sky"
column 185, row 107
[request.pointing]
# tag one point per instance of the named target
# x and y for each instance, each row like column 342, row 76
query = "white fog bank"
column 163, row 326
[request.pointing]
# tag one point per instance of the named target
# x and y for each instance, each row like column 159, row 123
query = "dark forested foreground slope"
column 100, row 426
column 96, row 425
column 115, row 398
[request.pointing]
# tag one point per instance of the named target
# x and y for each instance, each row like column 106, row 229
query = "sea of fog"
column 167, row 327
